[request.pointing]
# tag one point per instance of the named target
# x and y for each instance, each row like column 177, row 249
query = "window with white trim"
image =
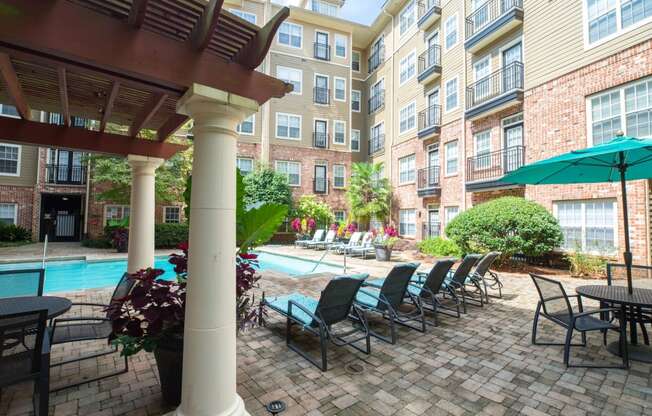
column 9, row 159
column 8, row 213
column 341, row 42
column 450, row 29
column 288, row 126
column 324, row 7
column 608, row 18
column 339, row 128
column 355, row 140
column 482, row 142
column 407, row 222
column 638, row 108
column 249, row 17
column 291, row 170
column 451, row 154
column 408, row 67
column 451, row 94
column 245, row 164
column 172, row 215
column 589, row 225
column 290, row 34
column 340, row 215
column 340, row 89
column 355, row 61
column 291, row 76
column 407, row 17
column 408, row 117
column 356, row 101
column 339, row 176
column 450, row 213
column 116, row 212
column 407, row 169
column 246, row 128
column 9, row 111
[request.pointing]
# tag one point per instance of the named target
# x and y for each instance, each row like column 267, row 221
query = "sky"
column 360, row 11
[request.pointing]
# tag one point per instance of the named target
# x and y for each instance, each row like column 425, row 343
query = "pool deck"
column 480, row 364
column 62, row 251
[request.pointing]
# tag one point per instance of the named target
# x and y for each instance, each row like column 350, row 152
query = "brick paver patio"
column 482, row 363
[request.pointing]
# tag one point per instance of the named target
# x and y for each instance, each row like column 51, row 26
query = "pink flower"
column 312, row 224
column 296, row 225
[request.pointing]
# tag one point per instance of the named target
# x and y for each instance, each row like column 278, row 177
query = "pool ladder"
column 328, row 250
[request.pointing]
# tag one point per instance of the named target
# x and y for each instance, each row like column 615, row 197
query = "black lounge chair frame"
column 479, row 275
column 431, row 287
column 458, row 283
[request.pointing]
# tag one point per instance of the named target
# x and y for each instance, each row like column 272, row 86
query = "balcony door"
column 481, row 72
column 321, row 89
column 433, row 42
column 432, row 224
column 433, row 165
column 480, row 13
column 431, row 113
column 512, row 72
column 65, row 167
column 513, row 134
column 321, row 45
column 321, row 133
column 320, row 179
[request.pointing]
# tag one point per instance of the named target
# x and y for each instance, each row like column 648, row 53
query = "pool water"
column 68, row 276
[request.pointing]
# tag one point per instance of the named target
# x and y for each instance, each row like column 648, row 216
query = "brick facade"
column 23, row 197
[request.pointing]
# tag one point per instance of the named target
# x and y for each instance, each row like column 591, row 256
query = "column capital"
column 144, row 164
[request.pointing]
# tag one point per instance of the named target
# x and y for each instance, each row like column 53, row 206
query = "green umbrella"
column 621, row 159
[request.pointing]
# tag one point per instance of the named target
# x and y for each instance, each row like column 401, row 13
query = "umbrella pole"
column 628, row 253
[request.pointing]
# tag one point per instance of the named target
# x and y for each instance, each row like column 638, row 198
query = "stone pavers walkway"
column 482, row 363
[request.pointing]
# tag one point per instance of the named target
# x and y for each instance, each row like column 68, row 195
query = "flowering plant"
column 120, row 239
column 303, row 226
column 387, row 236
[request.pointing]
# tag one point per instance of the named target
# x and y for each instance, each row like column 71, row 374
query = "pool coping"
column 327, row 263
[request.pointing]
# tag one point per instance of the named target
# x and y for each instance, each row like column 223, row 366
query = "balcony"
column 320, row 185
column 430, row 64
column 376, row 144
column 65, row 174
column 500, row 90
column 429, row 11
column 485, row 171
column 431, row 230
column 376, row 102
column 428, row 181
column 376, row 59
column 490, row 21
column 429, row 122
column 322, row 51
column 320, row 140
column 321, row 95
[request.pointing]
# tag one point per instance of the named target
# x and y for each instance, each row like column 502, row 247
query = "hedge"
column 439, row 247
column 13, row 233
column 170, row 235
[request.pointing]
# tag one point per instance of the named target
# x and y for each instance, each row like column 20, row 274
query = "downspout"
column 464, row 77
column 390, row 109
column 88, row 194
column 265, row 110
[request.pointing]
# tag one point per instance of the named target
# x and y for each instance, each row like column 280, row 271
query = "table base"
column 642, row 353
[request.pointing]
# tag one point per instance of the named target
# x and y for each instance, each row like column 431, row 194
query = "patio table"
column 55, row 305
column 619, row 295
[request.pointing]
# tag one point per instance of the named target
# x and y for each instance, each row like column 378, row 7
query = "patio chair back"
column 355, row 239
column 485, row 263
column 366, row 239
column 552, row 295
column 641, row 275
column 464, row 269
column 28, row 282
column 396, row 283
column 121, row 291
column 330, row 236
column 21, row 345
column 437, row 275
column 319, row 234
column 336, row 299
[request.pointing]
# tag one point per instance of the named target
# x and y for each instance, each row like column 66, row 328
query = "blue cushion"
column 416, row 291
column 375, row 283
column 366, row 300
column 281, row 304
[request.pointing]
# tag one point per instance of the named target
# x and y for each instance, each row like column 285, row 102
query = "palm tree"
column 369, row 192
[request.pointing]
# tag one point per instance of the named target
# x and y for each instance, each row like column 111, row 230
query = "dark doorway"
column 60, row 217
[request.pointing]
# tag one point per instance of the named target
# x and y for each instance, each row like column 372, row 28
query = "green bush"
column 510, row 225
column 96, row 243
column 266, row 185
column 309, row 207
column 170, row 235
column 12, row 232
column 439, row 247
column 585, row 265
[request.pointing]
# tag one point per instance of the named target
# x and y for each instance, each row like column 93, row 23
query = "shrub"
column 12, row 232
column 266, row 185
column 309, row 207
column 170, row 235
column 439, row 247
column 586, row 265
column 510, row 225
column 96, row 243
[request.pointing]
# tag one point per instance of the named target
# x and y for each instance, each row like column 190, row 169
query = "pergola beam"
column 108, row 107
column 63, row 95
column 206, row 24
column 172, row 124
column 253, row 54
column 137, row 13
column 13, row 86
column 146, row 113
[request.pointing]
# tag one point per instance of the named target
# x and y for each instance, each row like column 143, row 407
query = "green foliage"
column 585, row 265
column 368, row 193
column 267, row 186
column 439, row 247
column 309, row 207
column 170, row 235
column 510, row 225
column 14, row 233
column 96, row 243
column 388, row 242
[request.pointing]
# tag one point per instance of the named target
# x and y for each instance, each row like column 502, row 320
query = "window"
column 171, row 215
column 355, row 140
column 249, row 17
column 450, row 213
column 482, row 142
column 8, row 213
column 246, row 128
column 407, row 222
column 291, row 170
column 340, row 45
column 638, row 108
column 406, row 169
column 407, row 17
column 340, row 89
column 323, row 7
column 9, row 159
column 339, row 176
column 450, row 28
column 451, row 94
column 408, row 67
column 115, row 212
column 588, row 226
column 407, row 117
column 291, row 76
column 356, row 99
column 634, row 11
column 606, row 18
column 340, row 215
column 355, row 61
column 451, row 158
column 290, row 35
column 601, row 19
column 377, row 138
column 339, row 127
column 375, row 223
column 245, row 164
column 9, row 111
column 288, row 126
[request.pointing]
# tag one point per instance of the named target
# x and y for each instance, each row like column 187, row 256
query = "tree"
column 266, row 185
column 309, row 207
column 369, row 193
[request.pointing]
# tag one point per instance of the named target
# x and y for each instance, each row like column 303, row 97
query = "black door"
column 60, row 217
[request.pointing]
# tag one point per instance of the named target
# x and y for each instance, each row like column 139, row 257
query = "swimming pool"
column 73, row 275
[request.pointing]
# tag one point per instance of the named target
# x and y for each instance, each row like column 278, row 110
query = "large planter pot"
column 383, row 253
column 169, row 360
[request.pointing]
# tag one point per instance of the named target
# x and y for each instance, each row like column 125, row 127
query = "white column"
column 142, row 212
column 209, row 356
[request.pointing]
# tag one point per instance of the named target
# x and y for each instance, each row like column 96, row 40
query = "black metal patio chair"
column 480, row 277
column 91, row 328
column 319, row 317
column 460, row 278
column 25, row 355
column 554, row 305
column 28, row 282
column 427, row 292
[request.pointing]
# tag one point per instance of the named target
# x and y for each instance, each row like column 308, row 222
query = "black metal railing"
column 428, row 178
column 65, row 174
column 376, row 101
column 322, row 51
column 431, row 230
column 321, row 95
column 506, row 79
column 320, row 140
column 430, row 117
column 494, row 165
column 425, row 6
column 489, row 12
column 320, row 185
column 376, row 58
column 429, row 59
column 355, row 65
column 376, row 143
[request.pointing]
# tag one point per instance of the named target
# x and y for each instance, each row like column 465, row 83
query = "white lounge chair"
column 354, row 241
column 366, row 246
column 330, row 239
column 319, row 234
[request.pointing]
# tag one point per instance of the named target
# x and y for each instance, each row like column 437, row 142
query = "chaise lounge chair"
column 479, row 275
column 326, row 243
column 354, row 241
column 427, row 292
column 459, row 278
column 318, row 317
column 366, row 246
column 319, row 234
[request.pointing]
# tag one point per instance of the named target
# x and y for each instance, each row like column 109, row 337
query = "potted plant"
column 384, row 242
column 303, row 227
